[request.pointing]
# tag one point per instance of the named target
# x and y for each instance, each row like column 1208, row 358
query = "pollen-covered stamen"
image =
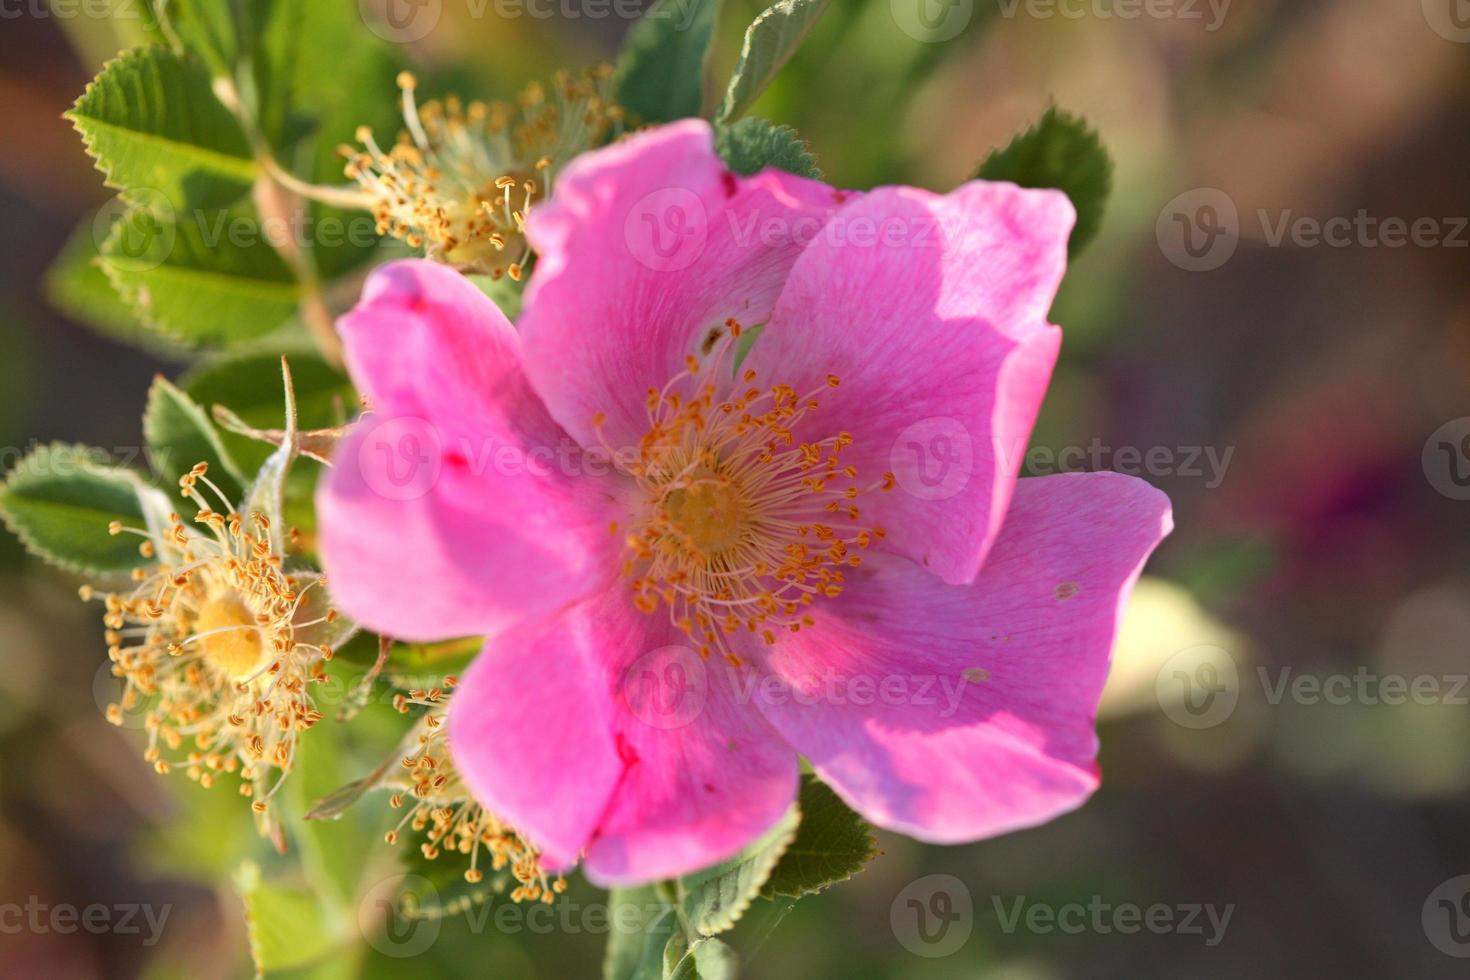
column 461, row 178
column 209, row 637
column 440, row 807
column 743, row 526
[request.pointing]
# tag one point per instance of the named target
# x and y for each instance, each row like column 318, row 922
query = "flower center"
column 229, row 636
column 743, row 525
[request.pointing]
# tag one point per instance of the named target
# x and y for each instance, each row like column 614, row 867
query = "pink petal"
column 632, row 745
column 953, row 713
column 645, row 247
column 932, row 313
column 458, row 506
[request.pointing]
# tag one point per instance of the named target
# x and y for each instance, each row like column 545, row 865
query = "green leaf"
column 641, row 927
column 751, row 145
column 152, row 123
column 213, row 280
column 59, row 501
column 318, row 75
column 108, row 26
column 1060, row 151
column 660, row 70
column 287, row 927
column 832, row 844
column 770, row 41
column 76, row 285
column 714, row 899
column 180, row 434
column 248, row 383
column 704, row 959
column 205, row 27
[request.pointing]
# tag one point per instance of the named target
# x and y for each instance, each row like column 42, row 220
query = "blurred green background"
column 1324, row 540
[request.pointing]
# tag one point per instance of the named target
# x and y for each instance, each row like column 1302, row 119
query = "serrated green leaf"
column 59, row 501
column 248, row 383
column 212, row 280
column 704, row 959
column 205, row 27
column 714, row 899
column 770, row 41
column 1061, row 152
column 180, row 434
column 832, row 844
column 287, row 927
column 751, row 145
column 641, row 927
column 660, row 70
column 76, row 285
column 157, row 132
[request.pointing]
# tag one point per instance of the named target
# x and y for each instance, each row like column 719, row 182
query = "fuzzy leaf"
column 660, row 70
column 287, row 927
column 715, row 898
column 212, row 280
column 1060, row 151
column 832, row 844
column 641, row 928
column 152, row 123
column 751, row 145
column 770, row 41
column 205, row 27
column 704, row 959
column 180, row 434
column 76, row 285
column 59, row 501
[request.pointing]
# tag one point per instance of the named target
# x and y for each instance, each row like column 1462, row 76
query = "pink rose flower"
column 690, row 571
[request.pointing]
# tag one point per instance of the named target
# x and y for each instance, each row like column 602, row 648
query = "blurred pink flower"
column 822, row 551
